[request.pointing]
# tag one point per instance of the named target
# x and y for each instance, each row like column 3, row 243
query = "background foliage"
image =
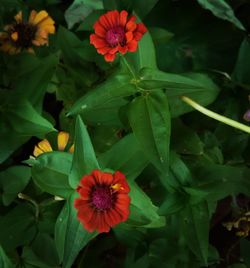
column 188, row 174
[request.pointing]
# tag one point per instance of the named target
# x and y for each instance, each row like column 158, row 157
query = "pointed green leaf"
column 84, row 159
column 150, row 121
column 221, row 9
column 70, row 236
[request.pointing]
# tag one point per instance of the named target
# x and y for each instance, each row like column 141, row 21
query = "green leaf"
column 13, row 180
column 80, row 9
column 25, row 120
column 184, row 139
column 30, row 259
column 196, row 230
column 242, row 66
column 45, row 249
column 19, row 227
column 117, row 86
column 143, row 7
column 142, row 211
column 38, row 70
column 205, row 93
column 4, row 260
column 142, row 57
column 160, row 35
column 51, row 172
column 84, row 159
column 150, row 120
column 221, row 9
column 245, row 249
column 70, row 236
column 131, row 162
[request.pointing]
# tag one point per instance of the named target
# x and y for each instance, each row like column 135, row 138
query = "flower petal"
column 62, row 140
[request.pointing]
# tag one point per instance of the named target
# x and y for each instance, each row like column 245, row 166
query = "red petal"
column 104, row 21
column 112, row 217
column 84, row 193
column 132, row 46
column 103, row 227
column 107, row 178
column 129, row 36
column 138, row 36
column 131, row 26
column 97, row 41
column 87, row 181
column 99, row 29
column 103, row 50
column 122, row 50
column 123, row 18
column 97, row 174
column 113, row 50
column 109, row 57
column 85, row 214
column 141, row 28
column 113, row 17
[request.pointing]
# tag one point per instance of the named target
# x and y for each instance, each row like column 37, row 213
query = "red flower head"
column 115, row 32
column 103, row 201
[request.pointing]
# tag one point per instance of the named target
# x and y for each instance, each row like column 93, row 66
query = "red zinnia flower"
column 115, row 32
column 103, row 201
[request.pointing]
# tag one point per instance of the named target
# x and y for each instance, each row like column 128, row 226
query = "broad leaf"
column 84, row 159
column 70, row 236
column 150, row 121
column 51, row 171
column 196, row 230
column 131, row 160
column 13, row 180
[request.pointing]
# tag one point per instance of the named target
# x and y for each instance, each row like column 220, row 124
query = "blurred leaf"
column 84, row 159
column 39, row 72
column 185, row 140
column 13, row 180
column 131, row 160
column 88, row 23
column 70, row 236
column 30, row 259
column 4, row 260
column 242, row 66
column 141, row 262
column 19, row 227
column 80, row 9
column 160, row 35
column 45, row 249
column 196, row 230
column 221, row 9
column 143, row 7
column 150, row 121
column 51, row 172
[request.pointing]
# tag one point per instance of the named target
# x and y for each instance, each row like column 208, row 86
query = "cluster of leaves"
column 125, row 116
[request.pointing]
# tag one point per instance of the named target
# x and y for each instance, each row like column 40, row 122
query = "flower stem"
column 216, row 116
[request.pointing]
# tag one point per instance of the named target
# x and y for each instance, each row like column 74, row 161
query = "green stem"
column 216, row 116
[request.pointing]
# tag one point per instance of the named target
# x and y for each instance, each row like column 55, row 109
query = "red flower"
column 103, row 201
column 115, row 32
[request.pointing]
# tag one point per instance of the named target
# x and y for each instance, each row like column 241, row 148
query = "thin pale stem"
column 128, row 66
column 216, row 116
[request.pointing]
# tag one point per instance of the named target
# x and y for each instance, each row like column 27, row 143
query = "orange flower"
column 115, row 32
column 22, row 35
column 45, row 147
column 103, row 201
